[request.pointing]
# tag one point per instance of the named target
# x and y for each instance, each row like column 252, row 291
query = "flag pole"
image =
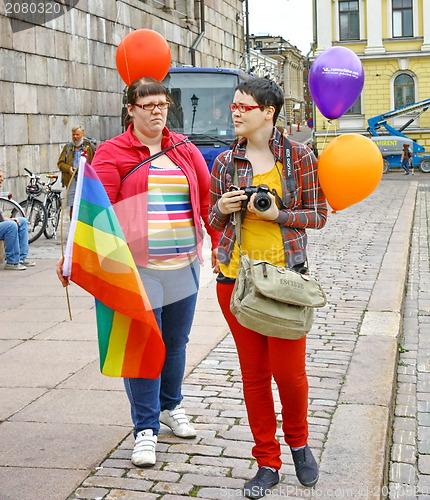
column 62, row 239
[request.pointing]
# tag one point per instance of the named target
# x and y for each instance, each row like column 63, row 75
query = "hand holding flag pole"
column 98, row 259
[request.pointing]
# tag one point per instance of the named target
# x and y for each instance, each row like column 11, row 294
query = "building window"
column 349, row 20
column 402, row 18
column 355, row 109
column 404, row 90
column 258, row 44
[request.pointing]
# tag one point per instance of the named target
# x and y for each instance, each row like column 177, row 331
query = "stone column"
column 426, row 26
column 374, row 28
column 324, row 25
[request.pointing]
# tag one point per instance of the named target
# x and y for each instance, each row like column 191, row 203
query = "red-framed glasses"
column 152, row 106
column 242, row 108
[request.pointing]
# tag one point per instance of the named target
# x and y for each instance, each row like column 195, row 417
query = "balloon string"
column 326, row 134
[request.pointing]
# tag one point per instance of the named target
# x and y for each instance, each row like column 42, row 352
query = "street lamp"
column 194, row 103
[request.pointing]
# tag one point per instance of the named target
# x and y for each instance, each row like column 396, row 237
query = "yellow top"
column 261, row 239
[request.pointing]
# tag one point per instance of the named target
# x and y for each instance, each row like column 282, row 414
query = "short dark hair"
column 141, row 88
column 265, row 92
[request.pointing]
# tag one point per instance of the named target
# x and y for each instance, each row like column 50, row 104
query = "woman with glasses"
column 277, row 235
column 160, row 206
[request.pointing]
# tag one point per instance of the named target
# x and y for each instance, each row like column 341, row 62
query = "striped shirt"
column 171, row 234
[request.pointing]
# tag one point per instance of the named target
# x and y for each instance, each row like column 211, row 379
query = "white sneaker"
column 27, row 263
column 144, row 449
column 15, row 267
column 178, row 422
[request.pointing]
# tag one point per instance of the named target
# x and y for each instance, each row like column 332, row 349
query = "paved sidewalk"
column 410, row 454
column 65, row 431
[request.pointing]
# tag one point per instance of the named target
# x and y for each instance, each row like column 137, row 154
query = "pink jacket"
column 116, row 157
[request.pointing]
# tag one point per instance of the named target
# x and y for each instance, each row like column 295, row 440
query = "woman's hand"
column 215, row 265
column 12, row 218
column 271, row 214
column 59, row 270
column 231, row 201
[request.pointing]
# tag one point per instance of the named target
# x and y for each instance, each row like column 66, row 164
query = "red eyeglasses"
column 242, row 108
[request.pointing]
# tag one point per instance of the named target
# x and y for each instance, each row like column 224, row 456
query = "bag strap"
column 291, row 186
column 150, row 158
column 237, row 215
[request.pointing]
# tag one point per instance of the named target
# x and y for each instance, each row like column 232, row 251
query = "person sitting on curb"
column 14, row 232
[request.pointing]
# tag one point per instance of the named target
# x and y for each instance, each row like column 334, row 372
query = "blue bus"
column 199, row 109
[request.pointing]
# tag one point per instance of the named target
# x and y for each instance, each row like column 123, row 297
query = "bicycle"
column 52, row 204
column 9, row 206
column 34, row 209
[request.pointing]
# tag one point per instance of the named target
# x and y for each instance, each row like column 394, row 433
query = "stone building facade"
column 289, row 74
column 59, row 70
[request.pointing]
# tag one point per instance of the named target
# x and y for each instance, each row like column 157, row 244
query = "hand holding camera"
column 232, row 201
column 257, row 199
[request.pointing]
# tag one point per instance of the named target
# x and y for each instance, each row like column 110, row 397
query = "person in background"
column 406, row 158
column 283, row 130
column 70, row 156
column 312, row 146
column 14, row 232
column 160, row 206
column 277, row 236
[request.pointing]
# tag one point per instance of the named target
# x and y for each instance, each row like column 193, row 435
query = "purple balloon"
column 336, row 79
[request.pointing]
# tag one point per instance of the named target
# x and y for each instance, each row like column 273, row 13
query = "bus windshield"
column 200, row 102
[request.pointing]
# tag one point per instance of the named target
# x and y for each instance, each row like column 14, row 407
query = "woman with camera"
column 277, row 234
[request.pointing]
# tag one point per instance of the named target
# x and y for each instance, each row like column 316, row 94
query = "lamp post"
column 194, row 103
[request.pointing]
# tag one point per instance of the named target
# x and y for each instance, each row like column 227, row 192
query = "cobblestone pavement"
column 410, row 453
column 346, row 256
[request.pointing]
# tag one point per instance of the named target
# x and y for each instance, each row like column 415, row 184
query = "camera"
column 262, row 201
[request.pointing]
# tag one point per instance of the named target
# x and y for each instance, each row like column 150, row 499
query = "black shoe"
column 306, row 466
column 261, row 483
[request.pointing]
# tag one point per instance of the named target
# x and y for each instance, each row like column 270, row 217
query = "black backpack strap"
column 150, row 158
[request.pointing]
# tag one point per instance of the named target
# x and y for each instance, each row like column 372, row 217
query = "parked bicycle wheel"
column 10, row 208
column 53, row 209
column 36, row 215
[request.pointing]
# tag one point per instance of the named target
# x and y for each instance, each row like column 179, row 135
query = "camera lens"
column 262, row 202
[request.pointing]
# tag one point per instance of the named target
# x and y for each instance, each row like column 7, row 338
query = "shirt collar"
column 275, row 143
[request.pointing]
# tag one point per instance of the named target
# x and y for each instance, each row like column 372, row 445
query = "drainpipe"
column 314, row 46
column 247, row 47
column 200, row 35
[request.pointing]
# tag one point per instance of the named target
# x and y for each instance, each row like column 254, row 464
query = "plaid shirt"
column 307, row 207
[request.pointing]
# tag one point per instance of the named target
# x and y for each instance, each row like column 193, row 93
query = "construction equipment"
column 391, row 145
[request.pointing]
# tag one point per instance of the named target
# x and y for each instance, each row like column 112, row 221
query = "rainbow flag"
column 98, row 259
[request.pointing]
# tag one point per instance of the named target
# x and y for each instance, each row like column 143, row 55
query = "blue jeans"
column 15, row 239
column 173, row 296
column 406, row 165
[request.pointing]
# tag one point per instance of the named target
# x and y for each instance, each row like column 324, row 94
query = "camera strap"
column 290, row 184
column 288, row 165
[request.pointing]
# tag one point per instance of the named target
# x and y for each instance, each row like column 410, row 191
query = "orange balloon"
column 349, row 169
column 143, row 53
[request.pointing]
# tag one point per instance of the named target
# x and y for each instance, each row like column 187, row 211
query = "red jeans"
column 260, row 358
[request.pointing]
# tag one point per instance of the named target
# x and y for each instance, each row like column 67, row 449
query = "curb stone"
column 357, row 450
